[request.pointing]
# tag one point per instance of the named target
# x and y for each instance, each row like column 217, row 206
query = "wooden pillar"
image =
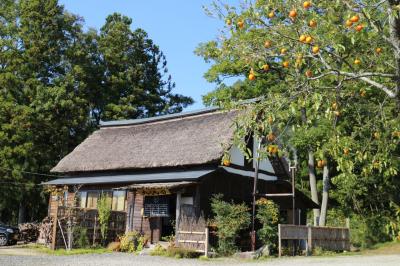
column 131, row 196
column 279, row 241
column 196, row 201
column 55, row 221
column 309, row 240
column 206, row 242
column 178, row 214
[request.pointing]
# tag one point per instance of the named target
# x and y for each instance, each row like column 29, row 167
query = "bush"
column 158, row 251
column 367, row 231
column 318, row 251
column 80, row 237
column 104, row 209
column 175, row 252
column 179, row 252
column 230, row 219
column 132, row 242
column 268, row 215
column 114, row 246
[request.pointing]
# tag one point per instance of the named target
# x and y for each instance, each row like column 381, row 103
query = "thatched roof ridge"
column 186, row 140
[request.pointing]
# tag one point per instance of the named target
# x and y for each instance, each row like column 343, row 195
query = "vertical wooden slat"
column 309, row 241
column 206, row 243
column 279, row 241
column 178, row 211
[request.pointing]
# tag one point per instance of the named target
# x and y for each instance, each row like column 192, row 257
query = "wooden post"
column 206, row 243
column 293, row 174
column 94, row 230
column 309, row 240
column 54, row 233
column 196, row 201
column 279, row 241
column 178, row 215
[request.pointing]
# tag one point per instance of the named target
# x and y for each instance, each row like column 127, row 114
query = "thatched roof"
column 177, row 140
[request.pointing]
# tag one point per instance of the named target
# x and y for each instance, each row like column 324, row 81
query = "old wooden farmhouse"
column 157, row 170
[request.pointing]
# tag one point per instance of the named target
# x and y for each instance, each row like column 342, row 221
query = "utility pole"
column 257, row 166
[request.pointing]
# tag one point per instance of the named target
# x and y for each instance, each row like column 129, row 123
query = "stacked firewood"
column 28, row 232
column 45, row 231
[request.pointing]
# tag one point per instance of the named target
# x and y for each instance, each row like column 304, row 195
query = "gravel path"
column 7, row 258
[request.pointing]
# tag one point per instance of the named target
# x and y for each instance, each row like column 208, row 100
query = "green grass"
column 383, row 248
column 62, row 252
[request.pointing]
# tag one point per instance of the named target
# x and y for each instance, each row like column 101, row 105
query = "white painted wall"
column 264, row 164
column 249, row 173
column 237, row 158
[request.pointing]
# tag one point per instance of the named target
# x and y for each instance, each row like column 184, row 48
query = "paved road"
column 37, row 259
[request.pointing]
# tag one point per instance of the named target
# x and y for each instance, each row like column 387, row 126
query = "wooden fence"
column 86, row 218
column 192, row 231
column 329, row 238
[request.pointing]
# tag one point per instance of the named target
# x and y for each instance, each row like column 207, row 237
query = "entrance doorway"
column 161, row 211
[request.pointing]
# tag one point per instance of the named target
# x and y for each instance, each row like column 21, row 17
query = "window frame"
column 100, row 192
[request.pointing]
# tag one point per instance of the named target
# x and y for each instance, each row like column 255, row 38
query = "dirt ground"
column 11, row 256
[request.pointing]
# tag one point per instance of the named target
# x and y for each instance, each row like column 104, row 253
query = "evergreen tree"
column 57, row 82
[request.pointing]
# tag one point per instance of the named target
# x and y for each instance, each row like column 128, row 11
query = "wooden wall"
column 148, row 226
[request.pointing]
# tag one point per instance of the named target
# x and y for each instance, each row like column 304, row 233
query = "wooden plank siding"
column 329, row 238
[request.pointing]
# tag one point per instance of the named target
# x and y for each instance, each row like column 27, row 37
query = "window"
column 88, row 199
column 92, row 197
column 65, row 199
column 156, row 206
column 108, row 195
column 81, row 197
column 118, row 200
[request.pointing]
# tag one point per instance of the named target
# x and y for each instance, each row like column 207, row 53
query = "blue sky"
column 177, row 26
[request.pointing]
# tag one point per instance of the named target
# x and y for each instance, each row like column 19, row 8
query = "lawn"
column 61, row 252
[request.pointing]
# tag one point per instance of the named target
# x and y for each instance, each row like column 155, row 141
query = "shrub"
column 367, row 231
column 229, row 218
column 132, row 242
column 114, row 246
column 104, row 209
column 179, row 252
column 318, row 251
column 80, row 237
column 268, row 215
column 158, row 251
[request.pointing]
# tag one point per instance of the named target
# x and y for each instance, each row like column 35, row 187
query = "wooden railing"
column 194, row 240
column 329, row 238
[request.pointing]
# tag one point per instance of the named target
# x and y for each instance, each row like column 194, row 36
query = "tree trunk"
column 394, row 30
column 311, row 172
column 21, row 213
column 325, row 196
column 313, row 184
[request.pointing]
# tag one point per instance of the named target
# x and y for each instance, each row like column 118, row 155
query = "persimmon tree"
column 335, row 66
